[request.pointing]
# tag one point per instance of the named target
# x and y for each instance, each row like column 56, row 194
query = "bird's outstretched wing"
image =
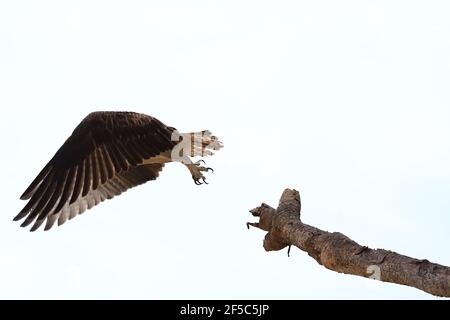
column 102, row 158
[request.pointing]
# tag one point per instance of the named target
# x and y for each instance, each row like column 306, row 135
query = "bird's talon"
column 196, row 170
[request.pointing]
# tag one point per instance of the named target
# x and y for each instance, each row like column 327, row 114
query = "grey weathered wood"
column 339, row 253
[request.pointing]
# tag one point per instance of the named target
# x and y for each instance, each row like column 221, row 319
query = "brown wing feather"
column 139, row 175
column 88, row 176
column 108, row 161
column 101, row 159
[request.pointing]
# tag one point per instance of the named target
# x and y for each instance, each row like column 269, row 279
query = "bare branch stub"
column 339, row 253
column 290, row 203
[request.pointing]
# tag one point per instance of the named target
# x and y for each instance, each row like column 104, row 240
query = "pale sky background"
column 346, row 101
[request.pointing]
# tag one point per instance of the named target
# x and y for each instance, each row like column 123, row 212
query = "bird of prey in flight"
column 107, row 154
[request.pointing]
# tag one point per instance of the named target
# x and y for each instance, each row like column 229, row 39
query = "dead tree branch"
column 339, row 253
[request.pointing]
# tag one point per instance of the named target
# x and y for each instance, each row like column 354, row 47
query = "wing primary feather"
column 88, row 175
column 108, row 162
column 44, row 200
column 61, row 180
column 36, row 182
column 37, row 196
column 95, row 170
column 50, row 222
column 79, row 183
column 102, row 165
column 68, row 189
column 120, row 157
column 116, row 162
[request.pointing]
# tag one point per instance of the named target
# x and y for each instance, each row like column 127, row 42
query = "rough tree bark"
column 339, row 253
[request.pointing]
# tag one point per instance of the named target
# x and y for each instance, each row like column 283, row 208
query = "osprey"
column 107, row 154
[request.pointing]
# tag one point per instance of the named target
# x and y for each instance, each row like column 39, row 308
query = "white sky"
column 346, row 101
